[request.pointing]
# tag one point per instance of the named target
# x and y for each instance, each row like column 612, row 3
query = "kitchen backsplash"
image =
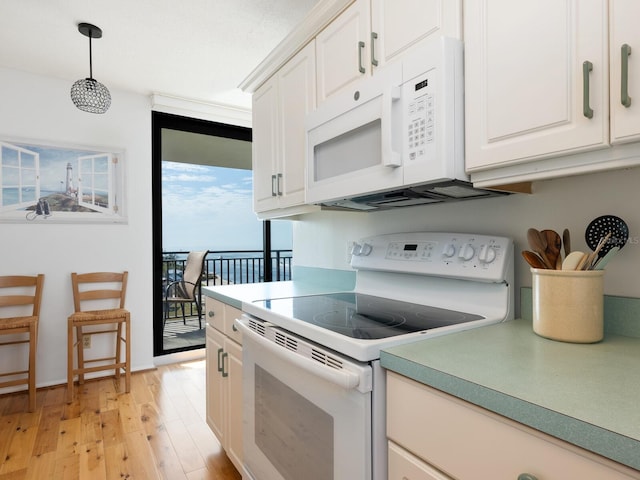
column 321, row 239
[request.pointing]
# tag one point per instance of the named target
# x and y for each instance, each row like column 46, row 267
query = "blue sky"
column 206, row 207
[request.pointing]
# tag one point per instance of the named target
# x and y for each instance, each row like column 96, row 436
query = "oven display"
column 412, row 247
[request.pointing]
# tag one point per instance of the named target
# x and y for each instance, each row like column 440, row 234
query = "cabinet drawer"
column 230, row 314
column 404, row 466
column 466, row 441
column 214, row 313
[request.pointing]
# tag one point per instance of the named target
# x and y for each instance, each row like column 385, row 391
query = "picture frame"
column 47, row 182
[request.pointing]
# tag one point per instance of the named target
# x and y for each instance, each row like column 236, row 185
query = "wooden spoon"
column 538, row 244
column 554, row 245
column 533, row 259
column 566, row 242
column 572, row 260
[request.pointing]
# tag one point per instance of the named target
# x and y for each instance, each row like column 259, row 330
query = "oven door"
column 307, row 410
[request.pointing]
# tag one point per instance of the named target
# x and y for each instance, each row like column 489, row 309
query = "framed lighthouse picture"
column 49, row 183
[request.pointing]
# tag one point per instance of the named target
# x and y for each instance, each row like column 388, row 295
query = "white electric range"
column 313, row 386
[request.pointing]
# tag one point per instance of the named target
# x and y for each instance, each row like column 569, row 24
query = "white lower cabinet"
column 433, row 435
column 224, row 378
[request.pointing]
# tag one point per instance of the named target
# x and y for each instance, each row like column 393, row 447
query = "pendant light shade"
column 88, row 94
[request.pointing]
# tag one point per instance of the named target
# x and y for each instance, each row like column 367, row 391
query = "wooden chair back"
column 16, row 294
column 89, row 288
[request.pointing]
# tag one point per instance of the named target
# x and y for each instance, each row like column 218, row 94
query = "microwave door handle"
column 390, row 158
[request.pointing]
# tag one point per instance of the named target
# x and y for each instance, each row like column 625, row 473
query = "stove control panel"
column 457, row 255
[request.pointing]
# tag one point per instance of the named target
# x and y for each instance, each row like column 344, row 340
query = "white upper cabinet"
column 342, row 50
column 264, row 146
column 371, row 33
column 536, row 79
column 397, row 25
column 624, row 55
column 549, row 88
column 279, row 109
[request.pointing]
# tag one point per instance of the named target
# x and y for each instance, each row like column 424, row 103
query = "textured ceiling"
column 192, row 49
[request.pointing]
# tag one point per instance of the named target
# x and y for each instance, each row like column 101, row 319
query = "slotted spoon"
column 600, row 227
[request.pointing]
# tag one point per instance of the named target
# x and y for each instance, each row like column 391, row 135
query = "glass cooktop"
column 364, row 316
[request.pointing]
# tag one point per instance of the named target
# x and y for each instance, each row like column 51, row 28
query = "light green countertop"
column 585, row 394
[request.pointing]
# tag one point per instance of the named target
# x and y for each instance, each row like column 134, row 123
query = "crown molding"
column 216, row 112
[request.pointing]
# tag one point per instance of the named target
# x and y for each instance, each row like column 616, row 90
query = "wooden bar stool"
column 95, row 289
column 19, row 292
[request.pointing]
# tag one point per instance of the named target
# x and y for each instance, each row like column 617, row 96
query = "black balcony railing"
column 225, row 268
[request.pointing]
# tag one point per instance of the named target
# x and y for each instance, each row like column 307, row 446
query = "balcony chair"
column 187, row 289
column 19, row 292
column 107, row 291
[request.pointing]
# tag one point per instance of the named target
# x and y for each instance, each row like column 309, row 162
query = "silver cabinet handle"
column 625, row 99
column 211, row 313
column 587, row 111
column 226, row 374
column 220, row 365
column 279, row 184
column 360, row 49
column 273, row 186
column 374, row 37
column 527, row 476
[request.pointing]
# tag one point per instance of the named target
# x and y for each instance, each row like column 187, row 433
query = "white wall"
column 39, row 108
column 320, row 240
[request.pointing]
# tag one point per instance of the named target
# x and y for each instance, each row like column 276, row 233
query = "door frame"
column 159, row 121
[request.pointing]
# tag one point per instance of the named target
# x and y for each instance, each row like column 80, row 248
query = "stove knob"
column 449, row 250
column 487, row 254
column 365, row 249
column 466, row 252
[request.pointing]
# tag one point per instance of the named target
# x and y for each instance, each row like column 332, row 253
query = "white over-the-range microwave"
column 396, row 138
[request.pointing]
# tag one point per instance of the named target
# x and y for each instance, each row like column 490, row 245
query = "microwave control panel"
column 420, row 117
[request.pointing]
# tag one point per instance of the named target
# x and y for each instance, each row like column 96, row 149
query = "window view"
column 209, row 209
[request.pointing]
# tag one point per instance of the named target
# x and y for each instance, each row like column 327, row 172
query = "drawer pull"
column 625, row 99
column 360, row 49
column 211, row 313
column 220, row 365
column 374, row 37
column 587, row 67
column 226, row 374
column 527, row 476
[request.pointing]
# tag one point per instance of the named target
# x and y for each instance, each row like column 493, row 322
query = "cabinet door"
column 233, row 367
column 265, row 146
column 527, row 92
column 215, row 391
column 342, row 50
column 297, row 86
column 398, row 24
column 624, row 52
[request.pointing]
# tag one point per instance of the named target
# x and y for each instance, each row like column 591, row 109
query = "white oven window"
column 292, row 432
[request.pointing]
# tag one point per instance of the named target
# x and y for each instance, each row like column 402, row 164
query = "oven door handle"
column 343, row 378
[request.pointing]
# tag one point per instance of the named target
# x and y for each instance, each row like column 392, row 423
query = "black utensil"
column 600, row 227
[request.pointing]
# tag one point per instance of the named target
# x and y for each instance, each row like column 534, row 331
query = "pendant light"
column 88, row 94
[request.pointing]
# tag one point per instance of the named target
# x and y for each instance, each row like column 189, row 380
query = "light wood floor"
column 157, row 431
